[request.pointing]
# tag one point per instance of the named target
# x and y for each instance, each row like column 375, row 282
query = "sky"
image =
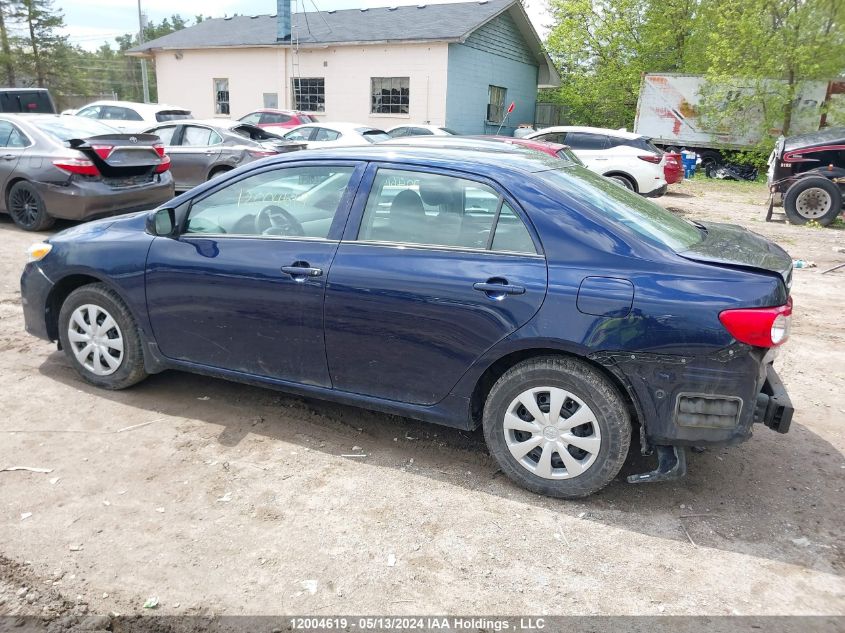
column 89, row 23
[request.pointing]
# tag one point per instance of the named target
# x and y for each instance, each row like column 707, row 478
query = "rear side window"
column 200, row 136
column 641, row 143
column 582, row 140
column 375, row 136
column 253, row 118
column 10, row 136
column 324, row 134
column 274, row 117
column 438, row 210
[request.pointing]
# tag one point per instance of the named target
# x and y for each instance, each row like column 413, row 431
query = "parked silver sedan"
column 201, row 150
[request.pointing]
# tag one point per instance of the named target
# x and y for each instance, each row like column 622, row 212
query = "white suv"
column 131, row 117
column 628, row 159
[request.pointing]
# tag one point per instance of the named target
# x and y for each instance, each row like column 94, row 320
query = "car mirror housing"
column 162, row 222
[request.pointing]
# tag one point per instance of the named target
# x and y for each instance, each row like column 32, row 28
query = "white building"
column 459, row 65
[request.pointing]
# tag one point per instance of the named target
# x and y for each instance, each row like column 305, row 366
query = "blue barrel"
column 689, row 159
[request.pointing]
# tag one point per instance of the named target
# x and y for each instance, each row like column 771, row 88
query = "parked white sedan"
column 131, row 117
column 629, row 159
column 335, row 134
column 413, row 129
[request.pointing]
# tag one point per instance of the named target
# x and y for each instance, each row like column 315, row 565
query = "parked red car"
column 269, row 118
column 673, row 168
column 553, row 149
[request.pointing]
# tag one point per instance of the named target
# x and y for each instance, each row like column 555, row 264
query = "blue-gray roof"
column 423, row 22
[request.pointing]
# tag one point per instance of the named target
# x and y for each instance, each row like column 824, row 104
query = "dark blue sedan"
column 506, row 289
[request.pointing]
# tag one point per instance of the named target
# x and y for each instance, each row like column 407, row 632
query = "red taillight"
column 261, row 153
column 159, row 148
column 164, row 165
column 761, row 327
column 650, row 158
column 103, row 151
column 79, row 166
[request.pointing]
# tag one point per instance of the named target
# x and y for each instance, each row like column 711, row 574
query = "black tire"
column 130, row 369
column 27, row 208
column 710, row 160
column 797, row 210
column 624, row 181
column 594, row 390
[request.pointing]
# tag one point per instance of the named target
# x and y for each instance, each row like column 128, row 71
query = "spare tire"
column 815, row 198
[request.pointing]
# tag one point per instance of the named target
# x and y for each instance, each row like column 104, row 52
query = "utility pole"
column 144, row 81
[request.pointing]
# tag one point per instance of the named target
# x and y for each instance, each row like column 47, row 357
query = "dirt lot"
column 237, row 500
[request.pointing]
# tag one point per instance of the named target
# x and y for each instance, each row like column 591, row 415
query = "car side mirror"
column 162, row 222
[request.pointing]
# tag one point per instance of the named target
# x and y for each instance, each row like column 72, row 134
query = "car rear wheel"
column 219, row 171
column 100, row 338
column 27, row 208
column 625, row 182
column 816, row 199
column 557, row 427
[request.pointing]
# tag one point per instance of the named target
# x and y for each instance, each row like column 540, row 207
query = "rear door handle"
column 497, row 289
column 301, row 271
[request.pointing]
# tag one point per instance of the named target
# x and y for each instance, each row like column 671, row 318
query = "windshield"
column 638, row 214
column 68, row 127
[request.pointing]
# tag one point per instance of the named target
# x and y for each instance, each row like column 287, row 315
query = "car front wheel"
column 100, row 337
column 557, row 427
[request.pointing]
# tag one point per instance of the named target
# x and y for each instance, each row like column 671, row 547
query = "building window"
column 309, row 94
column 221, row 96
column 496, row 104
column 391, row 95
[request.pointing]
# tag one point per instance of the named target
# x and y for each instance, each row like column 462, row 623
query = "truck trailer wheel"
column 710, row 160
column 816, row 199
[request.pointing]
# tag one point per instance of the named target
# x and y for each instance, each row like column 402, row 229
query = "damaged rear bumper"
column 773, row 407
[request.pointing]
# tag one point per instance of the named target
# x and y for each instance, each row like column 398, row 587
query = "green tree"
column 7, row 10
column 602, row 47
column 761, row 53
column 41, row 46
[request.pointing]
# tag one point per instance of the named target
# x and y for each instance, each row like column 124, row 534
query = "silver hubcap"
column 96, row 339
column 813, row 203
column 552, row 433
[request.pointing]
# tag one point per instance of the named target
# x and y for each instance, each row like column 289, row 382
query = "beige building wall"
column 186, row 78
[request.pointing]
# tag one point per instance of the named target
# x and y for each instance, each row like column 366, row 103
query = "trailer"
column 668, row 113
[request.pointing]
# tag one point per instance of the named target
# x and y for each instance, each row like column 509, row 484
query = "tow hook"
column 671, row 465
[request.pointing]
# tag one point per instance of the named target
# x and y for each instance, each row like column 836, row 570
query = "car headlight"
column 38, row 251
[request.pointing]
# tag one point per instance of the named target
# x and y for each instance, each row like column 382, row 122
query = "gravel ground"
column 228, row 499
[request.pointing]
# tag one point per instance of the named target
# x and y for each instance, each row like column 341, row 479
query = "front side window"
column 117, row 113
column 300, row 134
column 433, row 209
column 89, row 113
column 309, row 94
column 325, row 134
column 221, row 96
column 390, row 95
column 288, row 202
column 398, row 132
column 496, row 103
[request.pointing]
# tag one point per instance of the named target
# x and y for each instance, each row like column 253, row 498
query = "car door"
column 435, row 268
column 198, row 149
column 241, row 288
column 591, row 149
column 14, row 144
column 169, row 135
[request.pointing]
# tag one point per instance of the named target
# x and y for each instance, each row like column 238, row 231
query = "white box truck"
column 668, row 113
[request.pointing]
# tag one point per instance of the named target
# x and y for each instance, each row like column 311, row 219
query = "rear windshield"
column 32, row 101
column 69, row 127
column 375, row 136
column 626, row 208
column 172, row 115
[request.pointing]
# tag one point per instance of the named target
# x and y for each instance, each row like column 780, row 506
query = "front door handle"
column 498, row 288
column 9, row 157
column 301, row 271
